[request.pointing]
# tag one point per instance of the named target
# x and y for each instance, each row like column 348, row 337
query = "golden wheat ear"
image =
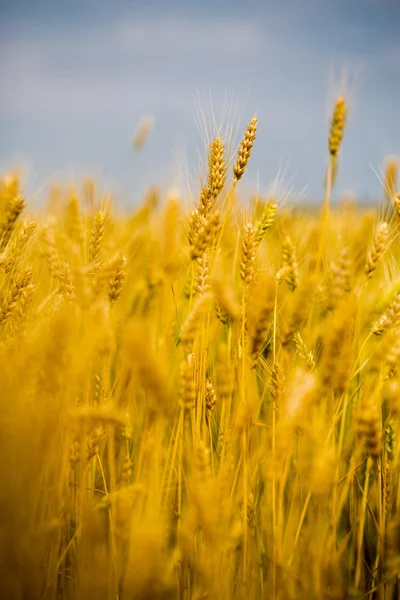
column 14, row 251
column 290, row 263
column 337, row 127
column 96, row 238
column 266, row 221
column 13, row 210
column 378, row 247
column 217, row 167
column 117, row 279
column 245, row 149
column 248, row 253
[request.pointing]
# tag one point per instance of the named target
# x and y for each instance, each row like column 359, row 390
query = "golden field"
column 200, row 399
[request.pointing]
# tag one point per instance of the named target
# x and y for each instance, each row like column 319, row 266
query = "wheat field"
column 200, row 399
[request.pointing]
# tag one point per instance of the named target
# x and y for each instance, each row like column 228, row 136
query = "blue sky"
column 77, row 76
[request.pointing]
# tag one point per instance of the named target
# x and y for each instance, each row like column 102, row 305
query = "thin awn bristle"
column 390, row 182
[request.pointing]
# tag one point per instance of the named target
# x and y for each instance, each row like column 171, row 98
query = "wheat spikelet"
column 14, row 250
column 217, row 168
column 290, row 263
column 387, row 488
column 377, row 249
column 283, row 274
column 117, row 279
column 97, row 387
column 222, row 315
column 93, row 442
column 203, row 285
column 206, row 231
column 245, row 148
column 10, row 187
column 389, row 319
column 266, row 221
column 64, row 276
column 13, row 210
column 251, row 513
column 187, row 397
column 210, row 398
column 49, row 250
column 96, row 236
column 196, row 219
column 379, row 325
column 248, row 253
column 206, row 201
column 22, row 305
column 392, row 354
column 276, row 382
column 390, row 438
column 304, row 352
column 101, row 275
column 337, row 126
column 127, row 470
column 392, row 316
column 11, row 303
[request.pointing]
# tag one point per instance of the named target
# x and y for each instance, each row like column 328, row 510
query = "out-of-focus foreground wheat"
column 200, row 405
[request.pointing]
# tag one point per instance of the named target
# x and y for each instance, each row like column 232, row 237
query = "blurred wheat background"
column 199, row 394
